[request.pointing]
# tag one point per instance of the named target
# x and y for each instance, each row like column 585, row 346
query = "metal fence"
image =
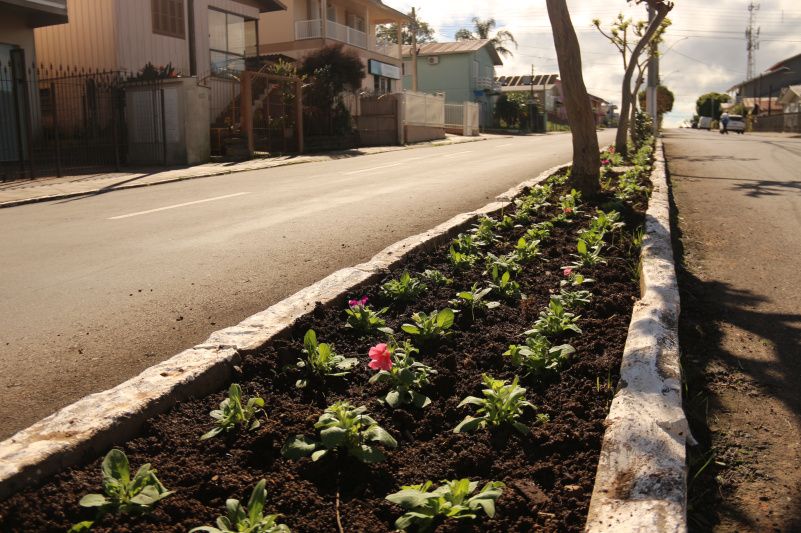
column 783, row 123
column 462, row 118
column 57, row 121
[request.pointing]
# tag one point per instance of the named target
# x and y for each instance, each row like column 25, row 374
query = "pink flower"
column 358, row 303
column 611, row 149
column 568, row 210
column 380, row 358
column 605, row 162
column 567, row 272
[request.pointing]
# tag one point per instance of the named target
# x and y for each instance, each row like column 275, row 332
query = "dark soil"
column 549, row 474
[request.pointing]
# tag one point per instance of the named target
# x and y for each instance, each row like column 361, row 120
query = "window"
column 231, row 38
column 382, row 85
column 356, row 22
column 168, row 18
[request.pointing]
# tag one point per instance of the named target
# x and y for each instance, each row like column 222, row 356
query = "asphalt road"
column 93, row 290
column 739, row 208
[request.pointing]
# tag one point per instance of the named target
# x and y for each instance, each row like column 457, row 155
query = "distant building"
column 762, row 92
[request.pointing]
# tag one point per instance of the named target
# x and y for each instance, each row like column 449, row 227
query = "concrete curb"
column 641, row 483
column 220, row 172
column 90, row 426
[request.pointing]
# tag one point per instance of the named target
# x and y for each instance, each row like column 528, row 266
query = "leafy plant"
column 588, row 256
column 121, row 493
column 474, row 299
column 527, row 250
column 574, row 299
column 555, row 320
column 232, row 413
column 321, row 360
column 628, row 185
column 484, row 231
column 343, row 428
column 449, row 501
column 467, row 243
column 539, row 232
column 504, row 286
column 506, row 263
column 538, row 356
column 569, row 203
column 247, row 520
column 503, row 403
column 436, row 277
column 573, row 278
column 404, row 289
column 363, row 319
column 405, row 375
column 462, row 261
column 506, row 223
column 430, row 328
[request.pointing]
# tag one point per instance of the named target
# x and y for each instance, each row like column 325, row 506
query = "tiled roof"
column 455, row 47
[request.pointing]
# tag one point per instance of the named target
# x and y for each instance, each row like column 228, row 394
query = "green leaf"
column 115, row 466
column 471, row 400
column 319, row 454
column 582, row 247
column 334, row 437
column 367, row 454
column 80, row 527
column 445, row 318
column 409, row 498
column 310, row 339
column 522, row 428
column 213, row 433
column 379, row 434
column 93, row 500
column 468, row 424
column 256, row 501
column 393, row 399
column 297, row 447
column 411, row 329
column 419, row 400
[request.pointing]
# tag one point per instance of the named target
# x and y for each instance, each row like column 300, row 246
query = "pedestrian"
column 724, row 120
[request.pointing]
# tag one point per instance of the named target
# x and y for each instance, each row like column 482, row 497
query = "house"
column 790, row 99
column 547, row 88
column 770, row 83
column 309, row 25
column 18, row 20
column 463, row 70
column 196, row 37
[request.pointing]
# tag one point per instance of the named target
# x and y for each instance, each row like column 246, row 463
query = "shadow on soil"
column 705, row 361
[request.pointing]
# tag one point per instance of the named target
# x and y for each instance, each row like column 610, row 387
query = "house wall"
column 279, row 26
column 87, row 40
column 137, row 44
column 451, row 75
column 763, row 84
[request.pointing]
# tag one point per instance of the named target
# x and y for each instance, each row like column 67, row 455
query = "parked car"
column 736, row 124
column 705, row 123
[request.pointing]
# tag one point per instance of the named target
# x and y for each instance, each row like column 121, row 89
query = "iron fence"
column 781, row 123
column 58, row 121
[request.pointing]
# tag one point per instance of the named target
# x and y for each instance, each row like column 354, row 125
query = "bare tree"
column 661, row 9
column 624, row 34
column 586, row 158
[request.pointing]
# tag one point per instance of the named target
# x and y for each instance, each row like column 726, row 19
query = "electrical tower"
column 752, row 38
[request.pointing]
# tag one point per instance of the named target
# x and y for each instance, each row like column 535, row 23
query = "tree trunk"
column 586, row 157
column 662, row 9
column 633, row 117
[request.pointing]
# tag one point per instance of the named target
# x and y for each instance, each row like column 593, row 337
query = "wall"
column 279, row 26
column 451, row 76
column 137, row 44
column 87, row 40
column 202, row 56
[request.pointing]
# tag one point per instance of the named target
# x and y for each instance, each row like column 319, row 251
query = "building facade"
column 463, row 70
column 309, row 25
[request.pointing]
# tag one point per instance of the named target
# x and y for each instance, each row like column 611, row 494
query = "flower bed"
column 536, row 460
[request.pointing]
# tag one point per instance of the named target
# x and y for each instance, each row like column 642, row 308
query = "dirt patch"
column 549, row 474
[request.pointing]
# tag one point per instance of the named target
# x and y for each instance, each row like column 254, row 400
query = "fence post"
column 163, row 127
column 401, row 118
column 115, row 104
column 299, row 114
column 246, row 110
column 55, row 128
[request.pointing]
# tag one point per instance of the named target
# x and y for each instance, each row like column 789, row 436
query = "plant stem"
column 336, row 507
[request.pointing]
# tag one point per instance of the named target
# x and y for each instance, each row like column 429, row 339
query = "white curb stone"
column 90, row 426
column 641, row 484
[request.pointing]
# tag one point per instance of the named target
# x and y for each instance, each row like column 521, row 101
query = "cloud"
column 704, row 50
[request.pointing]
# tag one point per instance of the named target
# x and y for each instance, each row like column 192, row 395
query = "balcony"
column 486, row 84
column 313, row 29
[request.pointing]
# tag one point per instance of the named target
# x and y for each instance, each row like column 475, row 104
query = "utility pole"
column 752, row 39
column 652, row 91
column 414, row 49
column 531, row 102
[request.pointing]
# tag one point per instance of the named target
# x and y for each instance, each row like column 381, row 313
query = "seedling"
column 405, row 375
column 321, row 360
column 555, row 320
column 430, row 328
column 573, row 278
column 527, row 250
column 539, row 232
column 467, row 243
column 504, row 286
column 537, row 356
column 461, row 261
column 404, row 289
column 506, row 263
column 449, row 501
column 503, row 403
column 247, row 520
column 475, row 300
column 506, row 223
column 232, row 413
column 574, row 299
column 586, row 256
column 343, row 428
column 484, row 231
column 123, row 494
column 363, row 319
column 436, row 277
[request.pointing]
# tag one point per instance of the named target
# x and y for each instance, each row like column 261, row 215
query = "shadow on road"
column 708, row 364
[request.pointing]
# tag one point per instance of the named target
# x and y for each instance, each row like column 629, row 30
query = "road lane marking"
column 507, row 144
column 458, row 153
column 129, row 215
column 372, row 169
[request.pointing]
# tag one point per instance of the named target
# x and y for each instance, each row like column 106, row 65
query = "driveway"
column 739, row 215
column 96, row 289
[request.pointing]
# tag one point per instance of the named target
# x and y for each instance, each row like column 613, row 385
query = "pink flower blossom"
column 358, row 303
column 380, row 357
column 611, row 149
column 605, row 162
column 568, row 210
column 567, row 272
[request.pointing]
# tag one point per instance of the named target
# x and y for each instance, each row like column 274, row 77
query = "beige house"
column 195, row 36
column 309, row 25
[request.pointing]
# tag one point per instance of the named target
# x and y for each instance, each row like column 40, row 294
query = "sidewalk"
column 21, row 192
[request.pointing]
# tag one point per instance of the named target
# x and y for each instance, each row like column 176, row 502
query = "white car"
column 705, row 123
column 736, row 124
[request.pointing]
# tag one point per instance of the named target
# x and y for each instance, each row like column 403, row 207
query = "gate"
column 378, row 120
column 55, row 122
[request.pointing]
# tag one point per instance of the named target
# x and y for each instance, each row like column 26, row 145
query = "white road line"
column 372, row 169
column 178, row 205
column 458, row 153
column 507, row 144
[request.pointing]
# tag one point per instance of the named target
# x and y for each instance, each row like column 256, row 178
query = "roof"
column 455, row 47
column 525, row 81
column 392, row 11
column 782, row 63
column 790, row 94
column 267, row 6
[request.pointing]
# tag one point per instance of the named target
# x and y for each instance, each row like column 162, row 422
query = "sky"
column 703, row 51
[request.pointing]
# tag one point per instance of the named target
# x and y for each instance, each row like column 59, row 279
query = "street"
column 739, row 212
column 95, row 289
